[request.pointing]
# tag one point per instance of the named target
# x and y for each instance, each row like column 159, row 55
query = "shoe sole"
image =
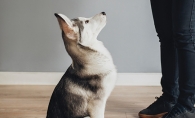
column 152, row 116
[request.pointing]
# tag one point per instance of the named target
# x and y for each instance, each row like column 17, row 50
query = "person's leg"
column 184, row 36
column 162, row 14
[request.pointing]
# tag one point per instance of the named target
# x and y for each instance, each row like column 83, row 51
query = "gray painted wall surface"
column 30, row 38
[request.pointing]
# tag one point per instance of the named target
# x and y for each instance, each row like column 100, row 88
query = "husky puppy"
column 86, row 85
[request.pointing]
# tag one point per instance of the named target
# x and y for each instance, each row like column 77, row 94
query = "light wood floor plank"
column 32, row 101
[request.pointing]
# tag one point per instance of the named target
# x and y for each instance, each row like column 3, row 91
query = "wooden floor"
column 32, row 101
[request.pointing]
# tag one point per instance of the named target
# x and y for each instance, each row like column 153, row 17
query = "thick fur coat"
column 86, row 85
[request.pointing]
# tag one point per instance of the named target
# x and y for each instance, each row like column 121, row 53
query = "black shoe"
column 157, row 109
column 179, row 111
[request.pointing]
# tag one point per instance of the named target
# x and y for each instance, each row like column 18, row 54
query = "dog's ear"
column 66, row 25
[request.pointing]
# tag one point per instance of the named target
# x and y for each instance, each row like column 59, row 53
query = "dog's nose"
column 103, row 13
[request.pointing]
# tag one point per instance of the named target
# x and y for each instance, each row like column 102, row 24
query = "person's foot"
column 179, row 111
column 157, row 109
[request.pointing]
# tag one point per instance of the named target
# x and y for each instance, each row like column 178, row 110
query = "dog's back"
column 63, row 103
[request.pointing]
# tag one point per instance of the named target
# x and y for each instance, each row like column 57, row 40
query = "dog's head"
column 80, row 33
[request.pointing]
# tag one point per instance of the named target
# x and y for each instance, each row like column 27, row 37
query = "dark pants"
column 175, row 25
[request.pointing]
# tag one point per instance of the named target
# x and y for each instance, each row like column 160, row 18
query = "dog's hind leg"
column 97, row 109
column 87, row 117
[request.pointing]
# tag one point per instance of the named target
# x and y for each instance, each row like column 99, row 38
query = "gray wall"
column 30, row 38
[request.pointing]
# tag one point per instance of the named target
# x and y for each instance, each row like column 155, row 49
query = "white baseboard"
column 52, row 78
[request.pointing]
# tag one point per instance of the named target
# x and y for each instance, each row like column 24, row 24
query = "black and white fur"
column 86, row 85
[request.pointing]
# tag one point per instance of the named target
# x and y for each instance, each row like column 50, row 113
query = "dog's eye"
column 74, row 25
column 87, row 21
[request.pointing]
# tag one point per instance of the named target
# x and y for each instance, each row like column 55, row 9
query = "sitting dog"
column 86, row 85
